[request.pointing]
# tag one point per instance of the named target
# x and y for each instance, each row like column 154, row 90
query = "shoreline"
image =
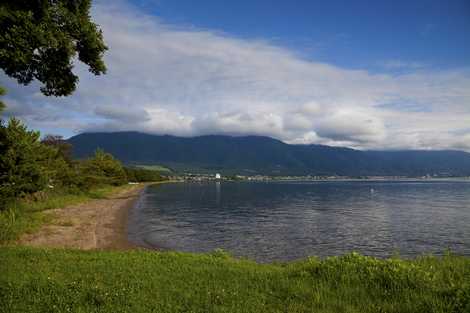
column 99, row 224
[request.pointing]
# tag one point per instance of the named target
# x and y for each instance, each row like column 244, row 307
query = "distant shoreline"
column 208, row 177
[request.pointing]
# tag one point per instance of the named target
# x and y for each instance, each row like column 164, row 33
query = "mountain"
column 264, row 155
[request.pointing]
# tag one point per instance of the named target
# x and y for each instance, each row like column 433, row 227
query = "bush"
column 28, row 165
column 142, row 175
column 102, row 169
column 25, row 164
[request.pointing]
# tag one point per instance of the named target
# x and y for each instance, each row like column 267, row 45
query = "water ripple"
column 284, row 221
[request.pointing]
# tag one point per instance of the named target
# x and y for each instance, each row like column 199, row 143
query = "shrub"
column 25, row 164
column 142, row 175
column 102, row 169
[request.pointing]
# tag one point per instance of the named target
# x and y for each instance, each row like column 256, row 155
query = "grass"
column 26, row 216
column 48, row 280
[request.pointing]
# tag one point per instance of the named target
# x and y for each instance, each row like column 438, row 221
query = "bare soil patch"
column 96, row 224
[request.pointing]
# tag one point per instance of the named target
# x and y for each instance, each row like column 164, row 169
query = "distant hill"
column 264, row 155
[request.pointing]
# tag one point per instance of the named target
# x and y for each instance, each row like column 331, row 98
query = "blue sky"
column 354, row 34
column 361, row 74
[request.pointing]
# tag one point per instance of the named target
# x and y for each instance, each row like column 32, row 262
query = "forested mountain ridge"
column 265, row 155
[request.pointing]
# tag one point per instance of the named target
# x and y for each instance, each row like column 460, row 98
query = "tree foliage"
column 29, row 165
column 40, row 38
column 135, row 174
column 23, row 160
column 64, row 149
column 103, row 168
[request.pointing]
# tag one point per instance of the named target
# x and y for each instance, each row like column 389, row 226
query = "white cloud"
column 169, row 80
column 125, row 114
column 352, row 126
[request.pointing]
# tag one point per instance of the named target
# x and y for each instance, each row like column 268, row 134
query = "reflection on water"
column 217, row 193
column 289, row 220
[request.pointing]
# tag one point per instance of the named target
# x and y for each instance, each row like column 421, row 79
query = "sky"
column 361, row 74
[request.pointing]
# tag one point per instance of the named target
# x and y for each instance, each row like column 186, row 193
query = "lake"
column 281, row 221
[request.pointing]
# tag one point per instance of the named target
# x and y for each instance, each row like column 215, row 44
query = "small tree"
column 23, row 160
column 64, row 149
column 103, row 168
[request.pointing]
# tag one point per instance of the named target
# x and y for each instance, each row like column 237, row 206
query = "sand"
column 96, row 224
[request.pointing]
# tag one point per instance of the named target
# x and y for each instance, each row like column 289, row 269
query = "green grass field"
column 42, row 280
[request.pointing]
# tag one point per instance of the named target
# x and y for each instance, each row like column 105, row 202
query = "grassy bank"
column 39, row 280
column 26, row 215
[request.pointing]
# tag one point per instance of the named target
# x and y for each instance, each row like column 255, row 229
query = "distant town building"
column 217, row 176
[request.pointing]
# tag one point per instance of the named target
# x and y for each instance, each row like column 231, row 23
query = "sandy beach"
column 96, row 224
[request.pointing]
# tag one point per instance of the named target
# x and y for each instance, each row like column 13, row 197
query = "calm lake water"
column 279, row 221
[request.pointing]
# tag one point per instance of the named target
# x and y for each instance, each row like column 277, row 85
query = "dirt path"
column 97, row 224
